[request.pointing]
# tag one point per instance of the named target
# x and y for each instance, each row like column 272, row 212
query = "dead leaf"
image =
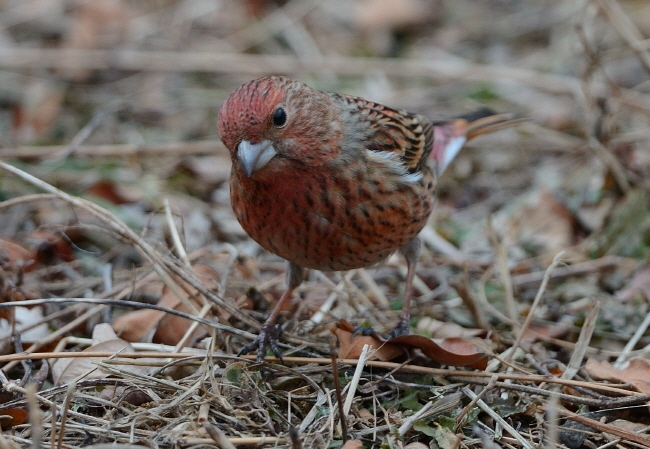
column 416, row 445
column 15, row 261
column 163, row 328
column 445, row 438
column 350, row 347
column 449, row 351
column 138, row 325
column 352, row 444
column 440, row 329
column 12, row 417
column 172, row 328
column 637, row 373
column 51, row 247
column 66, row 370
column 15, row 256
column 71, row 369
column 114, row 193
column 366, row 415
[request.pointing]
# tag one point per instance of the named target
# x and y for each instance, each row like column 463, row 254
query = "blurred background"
column 169, row 64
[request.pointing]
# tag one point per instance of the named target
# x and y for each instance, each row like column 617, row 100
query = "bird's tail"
column 450, row 136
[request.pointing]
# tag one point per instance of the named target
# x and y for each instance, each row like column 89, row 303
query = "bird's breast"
column 332, row 218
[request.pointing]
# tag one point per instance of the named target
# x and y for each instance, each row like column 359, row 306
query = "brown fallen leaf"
column 352, row 444
column 173, row 328
column 350, row 347
column 15, row 256
column 12, row 417
column 448, row 351
column 163, row 328
column 137, row 325
column 366, row 415
column 636, row 374
column 15, row 261
column 51, row 247
column 114, row 193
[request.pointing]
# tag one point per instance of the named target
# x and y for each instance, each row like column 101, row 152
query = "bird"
column 334, row 182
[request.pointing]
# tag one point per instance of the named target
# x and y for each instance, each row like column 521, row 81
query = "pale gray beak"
column 254, row 156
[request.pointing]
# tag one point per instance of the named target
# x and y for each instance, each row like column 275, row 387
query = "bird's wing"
column 407, row 135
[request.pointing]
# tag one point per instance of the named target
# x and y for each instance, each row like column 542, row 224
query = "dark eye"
column 279, row 117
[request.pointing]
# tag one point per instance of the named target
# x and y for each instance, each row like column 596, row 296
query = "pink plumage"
column 334, row 182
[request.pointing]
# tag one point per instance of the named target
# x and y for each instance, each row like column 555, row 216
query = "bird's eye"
column 279, row 117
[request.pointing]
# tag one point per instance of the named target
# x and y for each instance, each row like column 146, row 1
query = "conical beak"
column 254, row 156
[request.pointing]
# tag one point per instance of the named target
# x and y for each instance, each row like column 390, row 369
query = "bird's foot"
column 366, row 331
column 267, row 338
column 402, row 328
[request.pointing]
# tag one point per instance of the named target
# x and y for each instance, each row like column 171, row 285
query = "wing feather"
column 409, row 136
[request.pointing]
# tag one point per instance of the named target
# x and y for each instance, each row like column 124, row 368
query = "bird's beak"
column 254, row 156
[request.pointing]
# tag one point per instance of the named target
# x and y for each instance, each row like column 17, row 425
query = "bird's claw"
column 366, row 331
column 267, row 338
column 402, row 328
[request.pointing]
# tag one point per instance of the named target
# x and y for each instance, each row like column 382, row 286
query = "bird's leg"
column 411, row 252
column 270, row 332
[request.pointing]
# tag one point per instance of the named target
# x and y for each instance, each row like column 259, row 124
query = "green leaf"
column 445, row 437
column 425, row 428
column 234, row 375
column 446, row 421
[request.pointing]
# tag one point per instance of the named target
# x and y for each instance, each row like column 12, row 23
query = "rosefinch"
column 334, row 182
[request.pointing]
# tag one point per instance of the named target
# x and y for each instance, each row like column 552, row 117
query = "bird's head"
column 275, row 119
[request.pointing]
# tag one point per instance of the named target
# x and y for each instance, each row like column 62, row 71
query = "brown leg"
column 268, row 336
column 411, row 252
